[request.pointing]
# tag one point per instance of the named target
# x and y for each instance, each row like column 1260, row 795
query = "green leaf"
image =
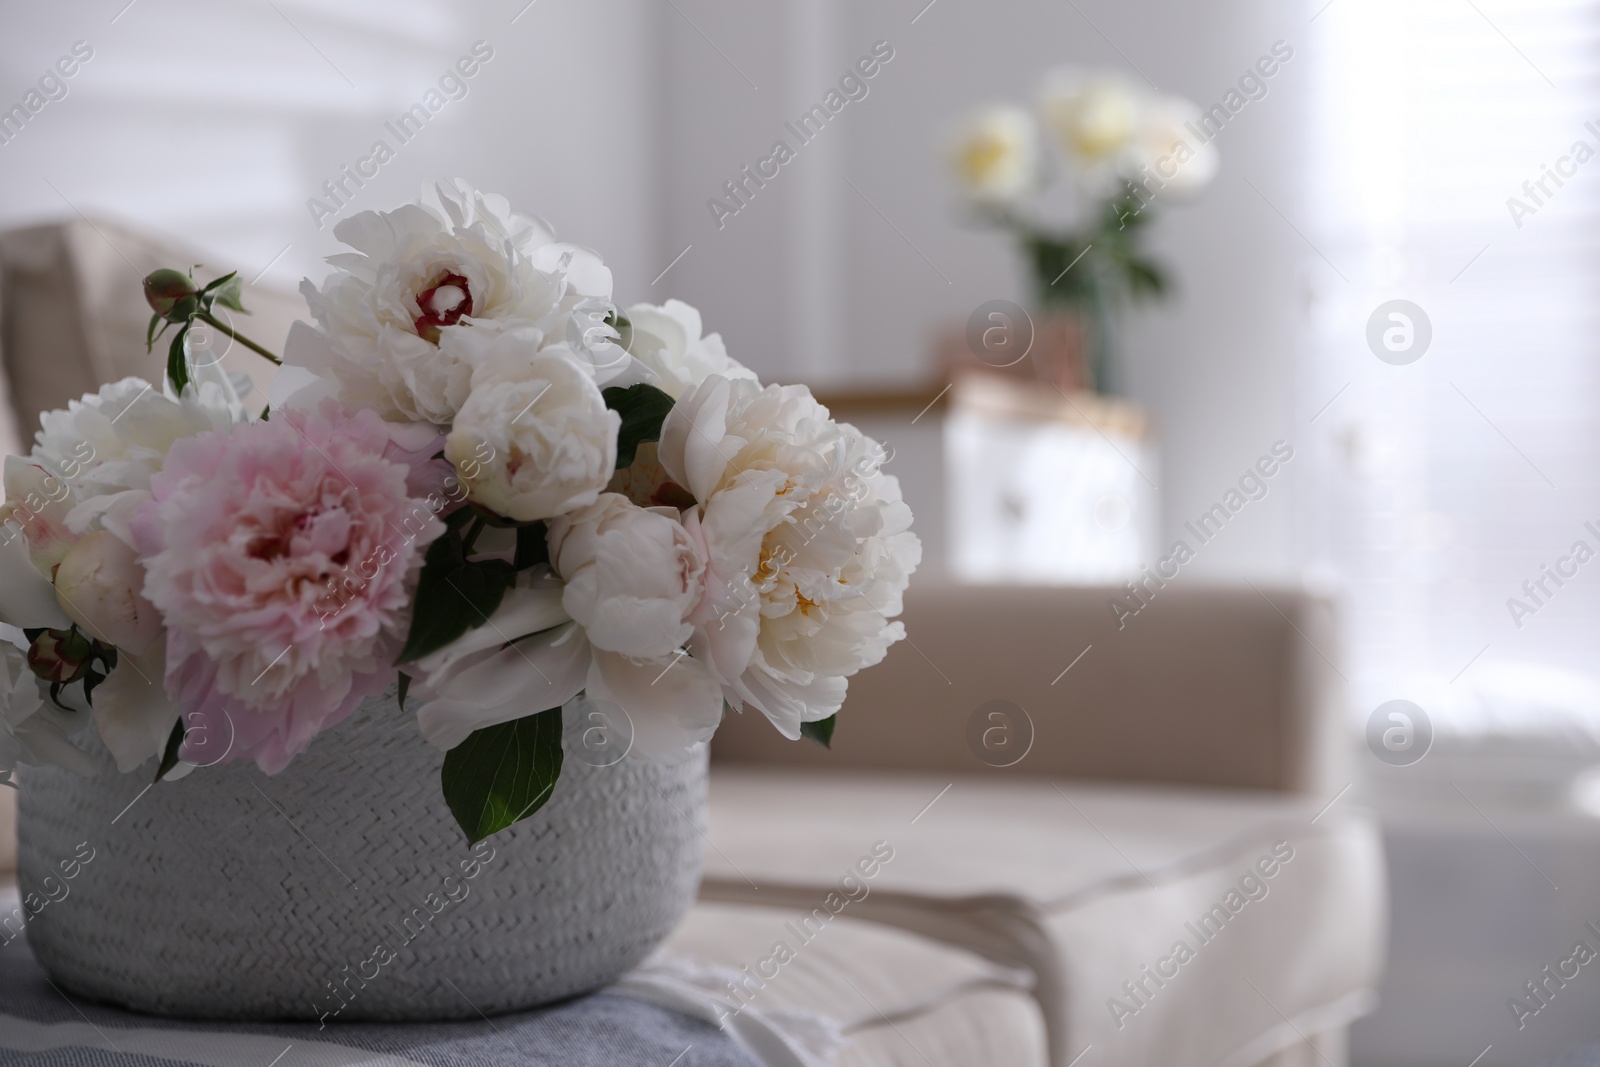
column 229, row 292
column 169, row 758
column 177, row 361
column 266, row 413
column 533, row 546
column 502, row 774
column 643, row 408
column 91, row 679
column 454, row 595
column 820, row 731
column 150, row 333
column 1145, row 279
column 405, row 687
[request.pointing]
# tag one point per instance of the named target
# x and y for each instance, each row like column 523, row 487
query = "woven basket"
column 343, row 888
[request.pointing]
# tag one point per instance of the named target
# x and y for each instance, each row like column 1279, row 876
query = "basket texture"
column 343, row 887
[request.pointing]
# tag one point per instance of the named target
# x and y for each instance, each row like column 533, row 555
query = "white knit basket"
column 229, row 894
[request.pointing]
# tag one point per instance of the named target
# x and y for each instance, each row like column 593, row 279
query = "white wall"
column 1216, row 365
column 218, row 122
column 618, row 119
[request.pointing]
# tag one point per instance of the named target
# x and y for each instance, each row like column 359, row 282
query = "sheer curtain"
column 1456, row 168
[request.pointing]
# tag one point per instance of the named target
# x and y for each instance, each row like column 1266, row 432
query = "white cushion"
column 1520, row 732
column 1087, row 886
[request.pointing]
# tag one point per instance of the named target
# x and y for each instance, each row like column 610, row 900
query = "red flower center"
column 442, row 304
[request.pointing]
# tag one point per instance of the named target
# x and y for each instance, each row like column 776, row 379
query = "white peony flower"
column 31, row 730
column 632, row 574
column 26, row 597
column 996, row 155
column 99, row 584
column 132, row 711
column 394, row 313
column 835, row 552
column 69, row 503
column 534, row 439
column 673, row 703
column 646, row 482
column 1179, row 160
column 90, row 469
column 530, row 657
column 666, row 339
column 1096, row 118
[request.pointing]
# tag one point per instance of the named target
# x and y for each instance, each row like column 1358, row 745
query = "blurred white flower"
column 1180, row 161
column 996, row 154
column 1095, row 117
column 534, row 438
column 667, row 340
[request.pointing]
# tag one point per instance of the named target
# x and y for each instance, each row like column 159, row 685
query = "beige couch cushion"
column 895, row 998
column 1205, row 686
column 1086, row 886
column 73, row 314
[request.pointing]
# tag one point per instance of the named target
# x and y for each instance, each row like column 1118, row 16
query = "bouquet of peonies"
column 1075, row 180
column 479, row 480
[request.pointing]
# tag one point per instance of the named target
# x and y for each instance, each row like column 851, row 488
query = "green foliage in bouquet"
column 175, row 300
column 1095, row 273
column 502, row 774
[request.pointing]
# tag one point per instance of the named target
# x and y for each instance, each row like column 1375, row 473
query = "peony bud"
column 60, row 655
column 171, row 294
column 98, row 585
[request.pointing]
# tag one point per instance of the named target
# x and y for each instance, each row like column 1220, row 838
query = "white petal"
column 26, row 597
column 132, row 710
column 306, row 374
column 501, row 684
column 693, row 448
column 533, row 605
column 673, row 703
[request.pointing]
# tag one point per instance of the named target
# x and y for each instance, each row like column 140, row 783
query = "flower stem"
column 207, row 318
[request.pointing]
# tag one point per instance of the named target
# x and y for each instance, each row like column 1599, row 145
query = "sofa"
column 1046, row 832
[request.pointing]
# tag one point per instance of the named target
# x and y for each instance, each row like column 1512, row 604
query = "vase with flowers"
column 390, row 700
column 1076, row 181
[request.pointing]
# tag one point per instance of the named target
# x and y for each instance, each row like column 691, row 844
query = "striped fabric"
column 40, row 1026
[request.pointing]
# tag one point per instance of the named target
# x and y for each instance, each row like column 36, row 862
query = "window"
column 1457, row 166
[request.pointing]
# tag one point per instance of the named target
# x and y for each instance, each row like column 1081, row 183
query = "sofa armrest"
column 73, row 316
column 1214, row 686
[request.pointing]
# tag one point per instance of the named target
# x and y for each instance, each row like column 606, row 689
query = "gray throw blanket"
column 40, row 1026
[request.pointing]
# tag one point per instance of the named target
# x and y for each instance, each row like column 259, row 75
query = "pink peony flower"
column 282, row 556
